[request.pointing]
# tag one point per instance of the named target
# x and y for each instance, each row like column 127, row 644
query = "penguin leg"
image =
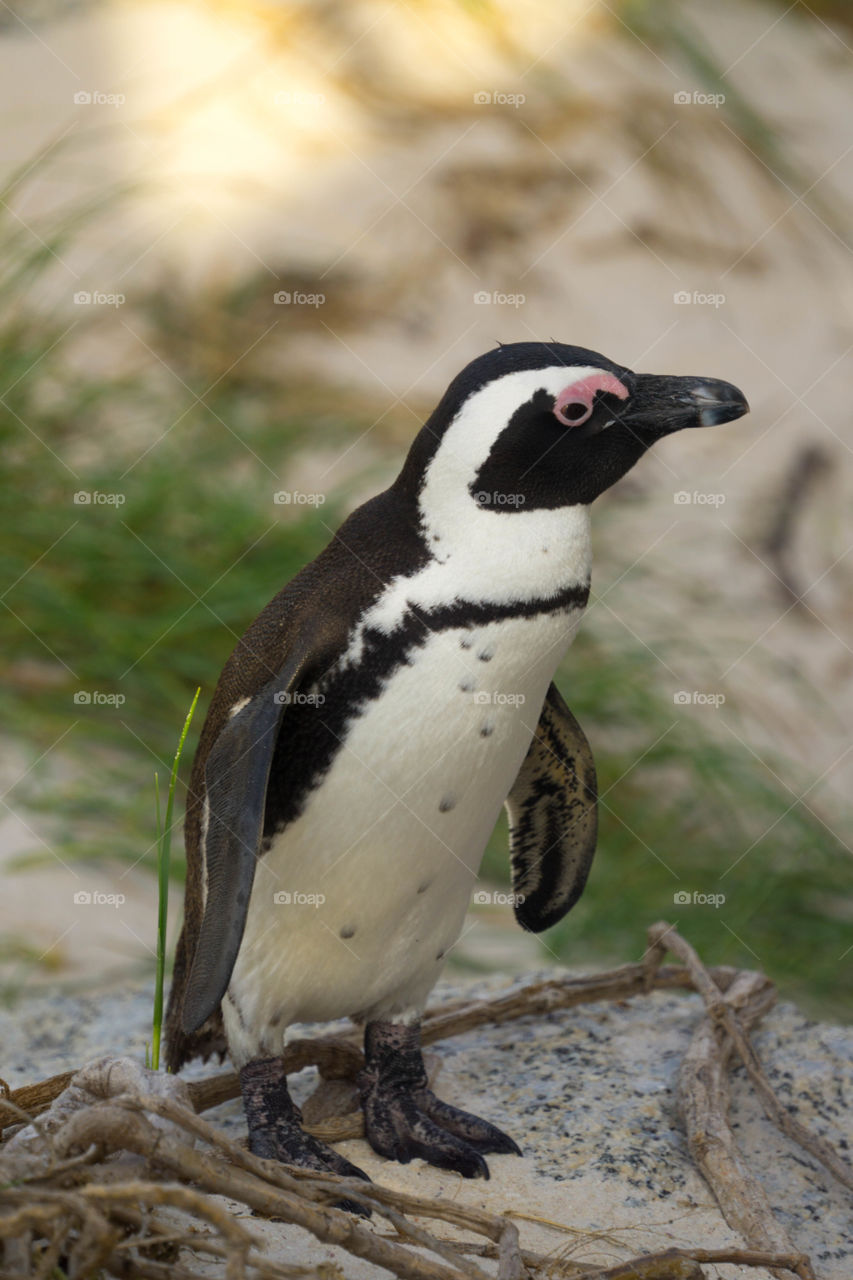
column 275, row 1128
column 402, row 1116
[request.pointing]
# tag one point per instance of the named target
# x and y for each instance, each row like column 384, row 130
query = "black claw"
column 404, row 1119
column 476, row 1132
column 275, row 1132
column 399, row 1129
column 464, row 1160
column 343, row 1167
column 352, row 1207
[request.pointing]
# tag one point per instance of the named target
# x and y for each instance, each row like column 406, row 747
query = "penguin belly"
column 357, row 901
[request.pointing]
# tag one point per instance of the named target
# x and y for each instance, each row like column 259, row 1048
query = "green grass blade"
column 164, row 851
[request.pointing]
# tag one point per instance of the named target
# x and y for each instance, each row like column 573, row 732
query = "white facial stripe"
column 468, row 440
column 482, row 555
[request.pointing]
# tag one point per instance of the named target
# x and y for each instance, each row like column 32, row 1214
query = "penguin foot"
column 402, row 1116
column 275, row 1128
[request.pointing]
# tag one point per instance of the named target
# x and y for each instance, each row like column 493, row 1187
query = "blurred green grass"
column 147, row 599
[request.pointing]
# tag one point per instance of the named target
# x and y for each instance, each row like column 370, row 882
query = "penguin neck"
column 488, row 548
column 492, row 565
column 523, row 557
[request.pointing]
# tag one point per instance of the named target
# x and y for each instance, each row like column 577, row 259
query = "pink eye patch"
column 574, row 403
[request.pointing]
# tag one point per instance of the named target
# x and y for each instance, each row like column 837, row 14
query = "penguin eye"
column 573, row 412
column 575, row 403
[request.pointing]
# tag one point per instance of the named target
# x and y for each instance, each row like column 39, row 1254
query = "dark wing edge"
column 553, row 817
column 236, row 777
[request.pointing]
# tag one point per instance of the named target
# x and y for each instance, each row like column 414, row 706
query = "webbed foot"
column 402, row 1116
column 275, row 1126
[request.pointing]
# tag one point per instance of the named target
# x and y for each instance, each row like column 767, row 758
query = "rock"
column 590, row 1095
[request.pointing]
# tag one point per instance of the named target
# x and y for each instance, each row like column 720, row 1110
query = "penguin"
column 373, row 720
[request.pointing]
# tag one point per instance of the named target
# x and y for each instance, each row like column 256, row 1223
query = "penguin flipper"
column 553, row 817
column 236, row 776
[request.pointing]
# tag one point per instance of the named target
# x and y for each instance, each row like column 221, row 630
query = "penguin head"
column 536, row 425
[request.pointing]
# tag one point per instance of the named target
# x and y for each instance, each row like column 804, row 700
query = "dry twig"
column 721, row 1010
column 704, row 1098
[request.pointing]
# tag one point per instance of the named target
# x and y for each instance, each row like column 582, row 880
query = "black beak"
column 661, row 404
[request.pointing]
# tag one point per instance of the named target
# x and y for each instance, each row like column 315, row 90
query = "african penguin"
column 374, row 718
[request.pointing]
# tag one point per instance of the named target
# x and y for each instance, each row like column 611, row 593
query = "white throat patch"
column 511, row 554
column 479, row 555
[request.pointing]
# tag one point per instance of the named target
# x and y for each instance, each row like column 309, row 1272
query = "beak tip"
column 719, row 402
column 718, row 414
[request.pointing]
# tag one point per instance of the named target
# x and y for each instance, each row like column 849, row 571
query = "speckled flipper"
column 553, row 818
column 402, row 1116
column 275, row 1129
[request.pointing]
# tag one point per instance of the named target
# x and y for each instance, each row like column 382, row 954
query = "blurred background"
column 243, row 248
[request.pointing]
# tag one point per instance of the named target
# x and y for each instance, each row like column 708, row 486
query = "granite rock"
column 590, row 1095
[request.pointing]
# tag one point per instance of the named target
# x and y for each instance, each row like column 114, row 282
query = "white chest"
column 358, row 900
